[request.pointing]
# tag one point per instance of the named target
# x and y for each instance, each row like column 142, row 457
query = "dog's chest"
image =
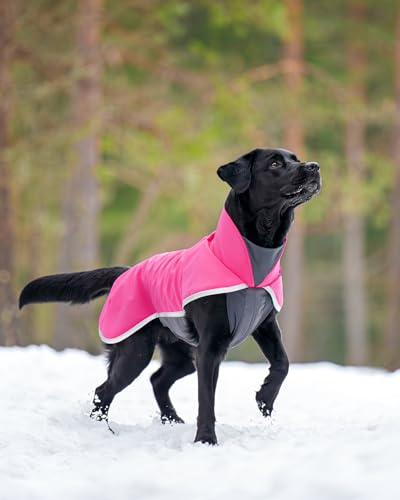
column 246, row 310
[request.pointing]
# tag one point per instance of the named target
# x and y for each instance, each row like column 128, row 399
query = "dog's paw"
column 99, row 413
column 265, row 408
column 206, row 438
column 171, row 419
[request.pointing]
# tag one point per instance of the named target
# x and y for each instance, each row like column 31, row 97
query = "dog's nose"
column 312, row 166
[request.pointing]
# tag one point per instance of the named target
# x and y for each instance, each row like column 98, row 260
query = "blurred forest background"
column 114, row 116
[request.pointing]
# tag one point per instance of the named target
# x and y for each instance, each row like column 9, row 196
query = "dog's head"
column 273, row 178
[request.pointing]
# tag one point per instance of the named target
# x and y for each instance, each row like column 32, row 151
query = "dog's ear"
column 238, row 173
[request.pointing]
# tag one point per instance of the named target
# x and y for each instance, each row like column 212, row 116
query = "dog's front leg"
column 268, row 337
column 211, row 324
column 209, row 357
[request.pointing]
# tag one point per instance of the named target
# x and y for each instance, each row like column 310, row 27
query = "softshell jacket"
column 222, row 262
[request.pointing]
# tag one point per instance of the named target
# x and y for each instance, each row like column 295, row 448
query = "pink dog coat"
column 222, row 262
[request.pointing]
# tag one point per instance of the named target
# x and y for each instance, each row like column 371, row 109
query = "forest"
column 115, row 115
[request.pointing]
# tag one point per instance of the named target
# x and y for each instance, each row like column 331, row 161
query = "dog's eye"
column 276, row 164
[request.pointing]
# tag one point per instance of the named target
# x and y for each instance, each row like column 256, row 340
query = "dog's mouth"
column 303, row 191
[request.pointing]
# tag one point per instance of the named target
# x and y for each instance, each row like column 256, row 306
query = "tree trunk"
column 354, row 230
column 293, row 64
column 392, row 337
column 81, row 205
column 8, row 308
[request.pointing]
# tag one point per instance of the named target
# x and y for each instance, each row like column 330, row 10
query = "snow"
column 335, row 434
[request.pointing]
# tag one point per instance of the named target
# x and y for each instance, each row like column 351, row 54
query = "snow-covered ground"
column 335, row 435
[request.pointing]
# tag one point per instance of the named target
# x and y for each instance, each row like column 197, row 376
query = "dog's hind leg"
column 127, row 360
column 177, row 362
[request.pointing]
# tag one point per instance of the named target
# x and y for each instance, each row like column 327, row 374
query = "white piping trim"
column 173, row 314
column 179, row 314
column 275, row 302
column 213, row 291
column 140, row 325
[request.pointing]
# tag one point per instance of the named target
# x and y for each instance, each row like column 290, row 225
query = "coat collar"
column 250, row 262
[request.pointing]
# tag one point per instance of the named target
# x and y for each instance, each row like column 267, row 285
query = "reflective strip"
column 277, row 306
column 213, row 291
column 140, row 325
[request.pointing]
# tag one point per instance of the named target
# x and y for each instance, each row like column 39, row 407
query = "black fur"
column 267, row 185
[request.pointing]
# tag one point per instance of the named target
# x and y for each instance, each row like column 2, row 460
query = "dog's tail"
column 76, row 288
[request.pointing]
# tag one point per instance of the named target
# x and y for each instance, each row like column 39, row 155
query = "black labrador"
column 267, row 185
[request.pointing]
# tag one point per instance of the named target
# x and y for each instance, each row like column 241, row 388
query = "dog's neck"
column 266, row 227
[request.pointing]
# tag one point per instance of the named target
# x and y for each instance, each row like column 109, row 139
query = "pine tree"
column 8, row 322
column 293, row 64
column 81, row 202
column 354, row 224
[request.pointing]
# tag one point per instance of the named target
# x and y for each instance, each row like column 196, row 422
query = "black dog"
column 267, row 185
